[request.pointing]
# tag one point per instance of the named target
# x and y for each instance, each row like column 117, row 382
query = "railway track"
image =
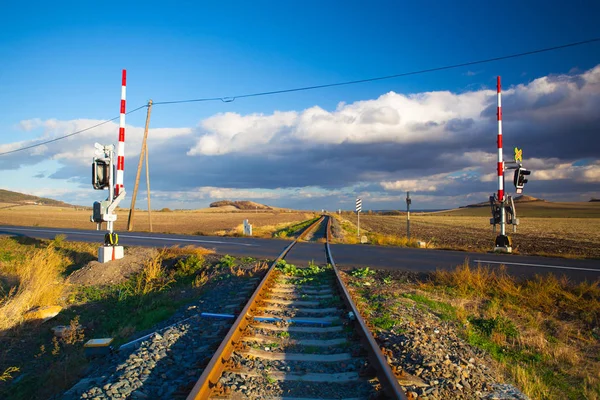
column 299, row 336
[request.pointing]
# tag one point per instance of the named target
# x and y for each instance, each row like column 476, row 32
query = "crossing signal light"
column 100, row 174
column 520, row 178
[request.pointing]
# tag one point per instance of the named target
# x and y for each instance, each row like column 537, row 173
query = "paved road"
column 421, row 260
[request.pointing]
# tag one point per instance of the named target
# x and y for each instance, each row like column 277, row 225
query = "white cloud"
column 551, row 172
column 392, row 117
column 439, row 143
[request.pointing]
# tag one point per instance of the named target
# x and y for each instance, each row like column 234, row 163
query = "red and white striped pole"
column 501, row 171
column 121, row 145
column 500, row 161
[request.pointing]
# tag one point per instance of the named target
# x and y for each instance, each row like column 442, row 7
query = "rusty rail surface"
column 385, row 374
column 208, row 383
column 209, row 380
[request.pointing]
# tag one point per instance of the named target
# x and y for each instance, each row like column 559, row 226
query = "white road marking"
column 537, row 265
column 135, row 237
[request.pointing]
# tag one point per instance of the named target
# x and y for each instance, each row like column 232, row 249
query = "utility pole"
column 148, row 185
column 408, row 201
column 139, row 170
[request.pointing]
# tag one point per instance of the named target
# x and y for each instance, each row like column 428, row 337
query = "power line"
column 304, row 88
column 380, row 78
column 70, row 134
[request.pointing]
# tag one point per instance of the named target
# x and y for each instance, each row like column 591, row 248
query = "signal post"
column 503, row 206
column 106, row 176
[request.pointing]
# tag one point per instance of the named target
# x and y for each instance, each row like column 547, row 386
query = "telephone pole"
column 148, row 186
column 139, row 170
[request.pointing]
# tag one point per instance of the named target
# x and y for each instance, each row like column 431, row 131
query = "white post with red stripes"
column 121, row 145
column 500, row 163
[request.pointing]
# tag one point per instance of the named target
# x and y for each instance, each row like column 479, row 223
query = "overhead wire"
column 228, row 99
column 70, row 134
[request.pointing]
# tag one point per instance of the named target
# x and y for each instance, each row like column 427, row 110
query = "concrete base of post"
column 503, row 244
column 109, row 253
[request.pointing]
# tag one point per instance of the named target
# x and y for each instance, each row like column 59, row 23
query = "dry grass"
column 186, row 251
column 375, row 233
column 38, row 284
column 153, row 277
column 205, row 222
column 544, row 331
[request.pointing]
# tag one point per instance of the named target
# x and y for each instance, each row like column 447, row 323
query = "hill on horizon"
column 7, row 196
column 240, row 205
column 519, row 199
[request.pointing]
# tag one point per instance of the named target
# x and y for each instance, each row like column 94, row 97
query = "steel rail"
column 387, row 378
column 209, row 380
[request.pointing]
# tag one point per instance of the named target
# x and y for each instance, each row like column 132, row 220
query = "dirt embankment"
column 95, row 273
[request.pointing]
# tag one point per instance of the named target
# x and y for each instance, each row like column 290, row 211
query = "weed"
column 55, row 346
column 59, row 240
column 383, row 322
column 7, row 374
column 283, row 334
column 200, row 279
column 292, row 270
column 488, row 326
column 75, row 332
column 387, row 280
column 227, row 261
column 189, row 265
column 362, row 272
column 444, row 310
column 152, row 278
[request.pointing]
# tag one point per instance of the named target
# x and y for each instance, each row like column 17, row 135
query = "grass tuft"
column 39, row 283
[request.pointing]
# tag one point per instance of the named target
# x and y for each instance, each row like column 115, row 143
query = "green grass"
column 294, row 229
column 292, row 270
column 538, row 329
column 362, row 272
column 443, row 310
column 227, row 261
column 383, row 322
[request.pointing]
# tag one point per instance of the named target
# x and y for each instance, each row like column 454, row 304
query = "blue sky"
column 62, row 60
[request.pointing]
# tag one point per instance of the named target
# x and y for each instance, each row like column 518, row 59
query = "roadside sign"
column 358, row 205
column 518, row 154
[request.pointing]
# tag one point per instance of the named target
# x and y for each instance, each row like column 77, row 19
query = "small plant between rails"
column 299, row 335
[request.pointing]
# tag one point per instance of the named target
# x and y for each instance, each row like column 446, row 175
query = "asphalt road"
column 419, row 260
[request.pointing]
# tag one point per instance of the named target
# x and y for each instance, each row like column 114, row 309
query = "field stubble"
column 578, row 237
column 203, row 222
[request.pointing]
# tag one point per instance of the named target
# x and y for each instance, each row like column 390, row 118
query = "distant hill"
column 519, row 199
column 593, row 200
column 240, row 205
column 6, row 196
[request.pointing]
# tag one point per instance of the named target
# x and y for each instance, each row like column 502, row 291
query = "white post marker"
column 358, row 210
column 247, row 228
